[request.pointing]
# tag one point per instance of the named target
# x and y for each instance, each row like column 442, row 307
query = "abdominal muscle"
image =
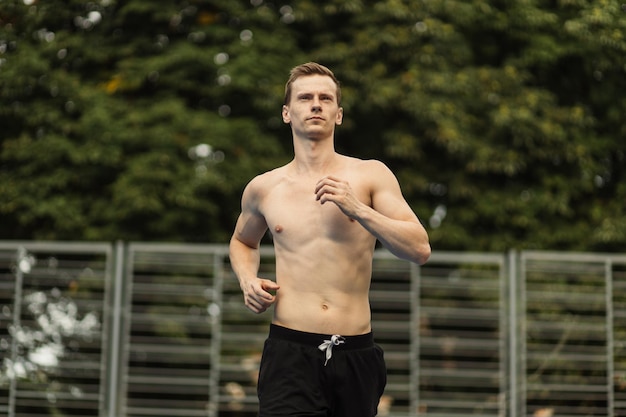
column 324, row 292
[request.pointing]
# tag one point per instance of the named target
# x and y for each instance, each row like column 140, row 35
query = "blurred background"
column 126, row 123
column 503, row 120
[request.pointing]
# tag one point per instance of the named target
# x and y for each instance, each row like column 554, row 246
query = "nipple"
column 278, row 228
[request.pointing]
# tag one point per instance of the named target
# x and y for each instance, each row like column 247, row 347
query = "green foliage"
column 502, row 120
column 103, row 104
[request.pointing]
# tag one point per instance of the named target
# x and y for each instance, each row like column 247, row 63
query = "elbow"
column 418, row 253
column 422, row 253
column 234, row 247
column 421, row 247
column 236, row 244
column 232, row 244
column 425, row 253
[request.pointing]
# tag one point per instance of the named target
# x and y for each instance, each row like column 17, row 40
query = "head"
column 310, row 68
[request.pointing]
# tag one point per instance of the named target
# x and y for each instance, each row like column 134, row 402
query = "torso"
column 323, row 258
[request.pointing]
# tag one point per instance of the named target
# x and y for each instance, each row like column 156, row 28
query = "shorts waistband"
column 361, row 341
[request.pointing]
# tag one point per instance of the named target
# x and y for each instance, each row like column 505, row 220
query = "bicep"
column 250, row 229
column 387, row 198
column 251, row 225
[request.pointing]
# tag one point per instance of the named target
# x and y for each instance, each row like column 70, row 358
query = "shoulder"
column 260, row 185
column 374, row 164
column 376, row 176
column 371, row 169
column 357, row 163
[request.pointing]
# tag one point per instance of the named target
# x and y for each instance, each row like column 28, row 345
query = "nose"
column 316, row 106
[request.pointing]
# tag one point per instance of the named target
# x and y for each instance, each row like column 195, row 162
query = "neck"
column 314, row 157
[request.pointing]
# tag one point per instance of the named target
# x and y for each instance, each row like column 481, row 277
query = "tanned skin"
column 325, row 212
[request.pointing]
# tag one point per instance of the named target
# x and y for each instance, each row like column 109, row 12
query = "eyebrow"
column 308, row 94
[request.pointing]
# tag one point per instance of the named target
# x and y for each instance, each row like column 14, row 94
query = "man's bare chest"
column 292, row 212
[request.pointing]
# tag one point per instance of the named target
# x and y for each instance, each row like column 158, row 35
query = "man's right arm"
column 245, row 256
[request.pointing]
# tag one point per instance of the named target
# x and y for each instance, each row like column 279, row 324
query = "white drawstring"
column 328, row 346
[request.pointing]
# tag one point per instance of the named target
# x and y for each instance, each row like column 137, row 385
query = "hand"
column 256, row 294
column 339, row 192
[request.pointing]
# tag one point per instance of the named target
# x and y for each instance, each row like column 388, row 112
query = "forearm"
column 406, row 239
column 244, row 260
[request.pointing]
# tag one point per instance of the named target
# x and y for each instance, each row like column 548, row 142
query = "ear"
column 339, row 118
column 285, row 113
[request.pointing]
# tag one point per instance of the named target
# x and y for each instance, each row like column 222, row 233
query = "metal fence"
column 138, row 329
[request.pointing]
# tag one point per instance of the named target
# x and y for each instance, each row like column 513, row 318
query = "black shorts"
column 297, row 379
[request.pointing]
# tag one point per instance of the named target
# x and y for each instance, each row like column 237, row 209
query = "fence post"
column 414, row 359
column 513, row 353
column 113, row 375
column 610, row 340
column 20, row 257
column 215, row 310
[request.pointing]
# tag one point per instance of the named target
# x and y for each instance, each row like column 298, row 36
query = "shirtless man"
column 325, row 212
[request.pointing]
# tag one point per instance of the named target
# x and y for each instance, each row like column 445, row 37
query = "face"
column 313, row 110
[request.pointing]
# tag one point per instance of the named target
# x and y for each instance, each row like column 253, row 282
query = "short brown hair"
column 310, row 68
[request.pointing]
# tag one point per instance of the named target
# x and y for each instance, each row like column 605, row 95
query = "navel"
column 278, row 228
column 324, row 306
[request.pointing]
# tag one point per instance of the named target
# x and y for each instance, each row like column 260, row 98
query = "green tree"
column 104, row 103
column 502, row 119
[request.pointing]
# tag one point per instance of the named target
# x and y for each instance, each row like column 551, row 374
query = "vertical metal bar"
column 414, row 360
column 512, row 331
column 608, row 274
column 215, row 315
column 520, row 347
column 504, row 331
column 106, row 331
column 115, row 333
column 17, row 312
column 130, row 251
